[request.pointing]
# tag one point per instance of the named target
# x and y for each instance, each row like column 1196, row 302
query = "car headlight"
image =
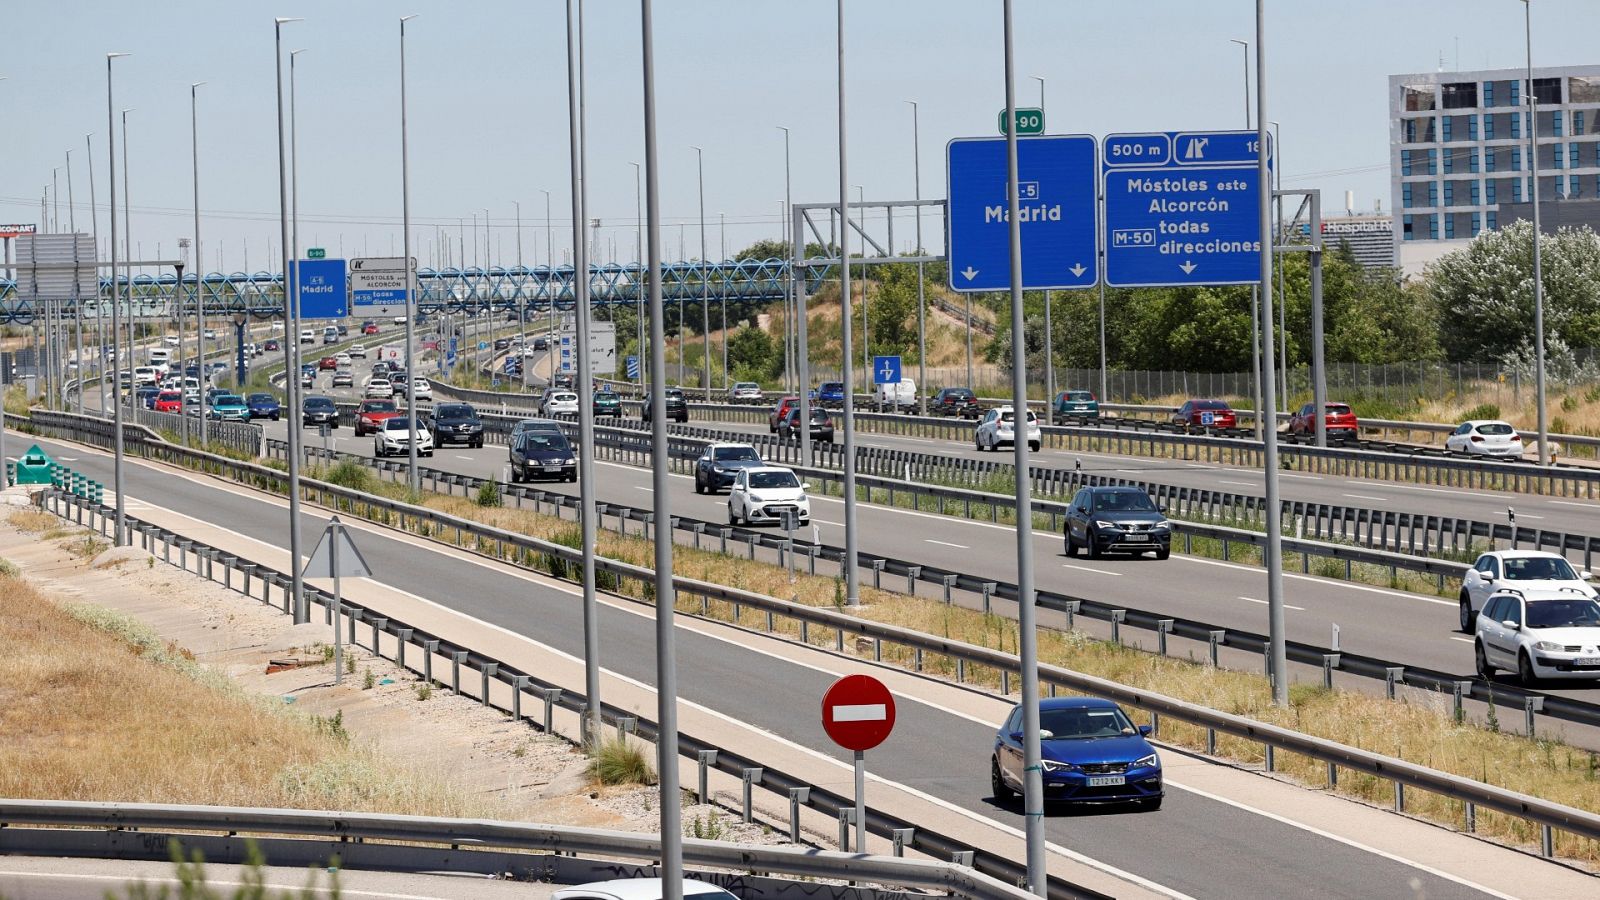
column 1101, row 523
column 1147, row 762
column 569, row 461
column 1547, row 645
column 1051, row 765
column 1160, row 526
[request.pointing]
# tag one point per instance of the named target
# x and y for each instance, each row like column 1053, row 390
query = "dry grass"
column 93, row 706
column 33, row 521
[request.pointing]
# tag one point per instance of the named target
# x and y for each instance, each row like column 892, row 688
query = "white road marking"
column 1087, row 569
column 1327, row 581
column 643, row 487
column 1306, row 477
column 1244, row 483
column 1264, row 603
column 1557, row 502
column 1364, row 497
column 826, row 522
column 1464, row 640
column 946, row 544
column 459, row 456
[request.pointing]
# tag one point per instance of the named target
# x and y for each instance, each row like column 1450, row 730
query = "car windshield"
column 1009, row 416
column 1082, row 724
column 454, row 411
column 226, row 400
column 1539, row 568
column 543, row 442
column 1127, row 501
column 1337, row 409
column 318, row 403
column 1574, row 613
column 606, row 397
column 263, row 398
column 833, row 386
column 1495, row 428
column 1079, row 395
column 724, row 454
column 396, row 424
column 818, row 416
column 768, row 480
column 382, row 406
column 1209, row 404
column 674, row 394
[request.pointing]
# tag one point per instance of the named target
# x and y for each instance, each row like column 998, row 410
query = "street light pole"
column 791, row 303
column 1261, row 413
column 722, row 235
column 705, row 284
column 127, row 243
column 413, row 480
column 851, row 576
column 116, row 393
column 199, row 270
column 291, row 339
column 1545, row 457
column 1049, row 333
column 550, row 289
column 99, row 313
column 638, row 279
column 77, row 298
column 922, row 306
column 1280, row 233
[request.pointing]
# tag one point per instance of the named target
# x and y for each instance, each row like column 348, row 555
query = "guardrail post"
column 1072, row 607
column 912, row 574
column 877, row 572
column 489, row 670
column 1399, row 797
column 1215, row 639
column 1392, row 675
column 902, row 838
column 1470, row 825
column 1531, row 705
column 988, row 594
column 1118, row 616
column 551, row 697
column 962, row 858
column 1330, row 661
column 811, row 551
column 402, row 636
column 707, row 759
column 752, row 776
column 847, row 817
column 1163, row 628
column 456, row 659
column 1271, row 761
column 429, row 648
column 797, row 796
column 1333, row 775
column 227, row 571
column 377, row 633
column 1005, row 682
column 699, row 529
column 724, row 532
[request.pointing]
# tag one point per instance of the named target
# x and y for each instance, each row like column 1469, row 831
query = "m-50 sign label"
column 382, row 281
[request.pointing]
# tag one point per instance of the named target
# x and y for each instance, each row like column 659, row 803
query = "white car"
column 307, row 336
column 422, row 389
column 561, row 403
column 356, row 351
column 744, row 392
column 639, row 889
column 378, row 389
column 341, row 360
column 764, row 493
column 1485, row 437
column 999, row 428
column 1521, row 570
column 395, row 436
column 170, row 340
column 1539, row 634
column 145, row 375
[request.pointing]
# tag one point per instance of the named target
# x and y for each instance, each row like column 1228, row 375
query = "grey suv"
column 1116, row 520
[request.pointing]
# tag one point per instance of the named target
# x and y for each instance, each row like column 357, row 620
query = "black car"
column 1116, row 520
column 821, row 425
column 342, row 328
column 677, row 405
column 607, row 403
column 523, row 426
column 955, row 402
column 503, row 343
column 456, row 423
column 542, row 454
column 317, row 410
column 540, row 343
column 719, row 465
column 563, row 380
column 145, row 397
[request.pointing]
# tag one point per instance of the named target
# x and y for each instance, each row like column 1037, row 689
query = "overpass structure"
column 450, row 290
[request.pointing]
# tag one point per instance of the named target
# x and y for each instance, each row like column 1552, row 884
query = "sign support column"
column 1269, row 433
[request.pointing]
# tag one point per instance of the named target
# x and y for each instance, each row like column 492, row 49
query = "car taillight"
column 1516, row 437
column 1477, row 439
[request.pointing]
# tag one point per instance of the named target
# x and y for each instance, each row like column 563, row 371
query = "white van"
column 896, row 397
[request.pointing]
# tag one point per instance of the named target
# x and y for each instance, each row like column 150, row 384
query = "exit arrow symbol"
column 1187, row 267
column 969, row 273
column 1077, row 270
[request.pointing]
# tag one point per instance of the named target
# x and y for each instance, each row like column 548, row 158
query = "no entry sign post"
column 858, row 714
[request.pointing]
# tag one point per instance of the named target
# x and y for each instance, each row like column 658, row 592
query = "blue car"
column 263, row 406
column 831, row 394
column 1091, row 753
column 228, row 408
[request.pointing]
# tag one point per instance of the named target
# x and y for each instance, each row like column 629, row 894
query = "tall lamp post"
column 1049, row 333
column 1538, row 267
column 412, row 479
column 922, row 306
column 116, row 393
column 705, row 284
column 199, row 270
column 291, row 338
column 791, row 343
column 638, row 279
column 1262, row 413
column 722, row 235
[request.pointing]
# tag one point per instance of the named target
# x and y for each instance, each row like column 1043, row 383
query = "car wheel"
column 977, row 443
column 1094, row 547
column 1066, row 538
column 1033, row 446
column 1150, row 804
column 997, row 783
column 699, row 486
column 274, row 417
column 1525, row 673
column 1163, row 553
column 732, row 519
column 1466, row 613
column 1481, row 659
column 377, row 452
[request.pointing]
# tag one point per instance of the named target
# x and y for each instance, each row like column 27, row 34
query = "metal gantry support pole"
column 922, row 303
column 291, row 341
column 116, row 393
column 99, row 312
column 1032, row 777
column 77, row 298
column 413, row 482
column 1269, row 456
column 792, row 312
column 1538, row 268
column 199, row 269
column 1319, row 371
column 671, row 824
column 797, row 284
column 585, row 379
column 852, row 578
column 705, row 284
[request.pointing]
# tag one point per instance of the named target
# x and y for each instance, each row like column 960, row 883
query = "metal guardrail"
column 319, row 836
column 496, row 542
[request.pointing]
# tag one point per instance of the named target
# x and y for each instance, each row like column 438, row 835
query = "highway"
column 1192, row 846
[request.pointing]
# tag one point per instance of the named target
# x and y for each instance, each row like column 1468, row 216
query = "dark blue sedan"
column 1091, row 753
column 264, row 406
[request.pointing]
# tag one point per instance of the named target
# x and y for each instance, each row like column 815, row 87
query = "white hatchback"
column 395, row 435
column 999, row 428
column 765, row 494
column 561, row 403
column 1485, row 437
column 1521, row 570
column 1538, row 634
column 378, row 389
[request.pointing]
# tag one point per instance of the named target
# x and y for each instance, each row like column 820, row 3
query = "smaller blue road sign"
column 886, row 370
column 633, row 367
column 322, row 287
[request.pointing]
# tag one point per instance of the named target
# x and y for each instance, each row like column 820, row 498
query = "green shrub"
column 489, row 493
column 1483, row 411
column 617, row 761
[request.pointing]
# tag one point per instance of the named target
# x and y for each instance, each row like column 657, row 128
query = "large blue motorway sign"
column 1056, row 182
column 322, row 288
column 1182, row 208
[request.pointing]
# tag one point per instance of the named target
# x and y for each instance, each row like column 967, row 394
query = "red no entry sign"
column 858, row 712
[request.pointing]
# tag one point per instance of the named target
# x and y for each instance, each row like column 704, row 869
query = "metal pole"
column 792, row 311
column 413, row 481
column 77, row 297
column 1538, row 268
column 638, row 257
column 797, row 284
column 1319, row 375
column 1100, row 239
column 922, row 304
column 111, row 165
column 580, row 285
column 199, row 270
column 1269, row 455
column 291, row 341
column 705, row 287
column 970, row 385
column 851, row 577
column 127, row 246
column 338, row 639
column 99, row 313
column 1261, row 412
column 722, row 235
column 1280, row 232
column 1032, row 780
column 670, row 802
column 1049, row 333
column 861, row 802
column 550, row 288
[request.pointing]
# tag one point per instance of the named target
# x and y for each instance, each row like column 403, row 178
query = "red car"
column 371, row 415
column 1205, row 414
column 168, row 401
column 328, row 362
column 781, row 412
column 370, row 328
column 1341, row 422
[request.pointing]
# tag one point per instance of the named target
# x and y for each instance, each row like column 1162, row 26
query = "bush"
column 489, row 493
column 616, row 761
column 352, row 475
column 1483, row 411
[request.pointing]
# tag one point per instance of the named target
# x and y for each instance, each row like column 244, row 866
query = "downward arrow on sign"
column 1187, row 267
column 969, row 273
column 1077, row 270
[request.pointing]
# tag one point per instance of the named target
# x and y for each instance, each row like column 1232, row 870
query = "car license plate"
column 552, row 467
column 1107, row 780
column 1588, row 661
column 1137, row 537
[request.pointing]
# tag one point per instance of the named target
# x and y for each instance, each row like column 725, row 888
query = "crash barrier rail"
column 633, row 449
column 242, row 436
column 496, row 542
column 313, row 838
column 391, row 638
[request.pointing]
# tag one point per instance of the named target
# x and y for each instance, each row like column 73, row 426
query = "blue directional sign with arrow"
column 1056, row 198
column 886, row 370
column 322, row 288
column 1182, row 208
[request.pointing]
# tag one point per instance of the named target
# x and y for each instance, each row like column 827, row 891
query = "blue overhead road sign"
column 323, row 294
column 1056, row 198
column 886, row 370
column 1182, row 208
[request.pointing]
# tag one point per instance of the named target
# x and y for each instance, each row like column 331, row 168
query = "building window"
column 1488, row 128
column 1516, row 190
column 1546, row 91
column 1577, row 121
column 1473, row 194
column 1460, row 95
column 1449, row 193
column 1556, row 121
column 1472, row 128
column 1488, row 192
column 1405, row 195
column 1405, row 162
column 1516, row 125
column 1433, row 193
column 1516, row 93
column 1433, row 227
column 1488, row 93
column 1572, row 156
column 1418, row 98
column 1555, row 156
column 1583, row 89
column 1449, row 227
column 1405, row 228
column 1492, row 220
column 1449, row 162
column 1516, row 159
column 1477, row 224
column 1447, row 133
column 1472, row 160
column 1561, row 185
column 1433, row 162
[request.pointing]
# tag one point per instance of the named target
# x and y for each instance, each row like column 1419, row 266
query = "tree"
column 766, row 248
column 751, row 350
column 1484, row 292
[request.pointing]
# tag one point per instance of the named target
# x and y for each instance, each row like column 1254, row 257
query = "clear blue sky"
column 488, row 107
